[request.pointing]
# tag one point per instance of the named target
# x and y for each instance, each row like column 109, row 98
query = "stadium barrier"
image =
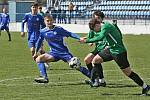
column 77, row 28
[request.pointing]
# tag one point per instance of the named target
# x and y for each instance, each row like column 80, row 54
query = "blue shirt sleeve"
column 0, row 18
column 75, row 36
column 42, row 23
column 69, row 34
column 39, row 42
column 8, row 19
column 23, row 22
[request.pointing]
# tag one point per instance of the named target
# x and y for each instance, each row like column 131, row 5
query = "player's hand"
column 22, row 34
column 82, row 40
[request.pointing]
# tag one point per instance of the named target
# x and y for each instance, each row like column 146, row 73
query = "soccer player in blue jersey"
column 34, row 23
column 4, row 23
column 54, row 35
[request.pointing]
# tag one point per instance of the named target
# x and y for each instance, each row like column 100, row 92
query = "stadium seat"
column 113, row 8
column 148, row 14
column 135, row 14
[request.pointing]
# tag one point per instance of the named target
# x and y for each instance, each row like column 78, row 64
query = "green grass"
column 17, row 71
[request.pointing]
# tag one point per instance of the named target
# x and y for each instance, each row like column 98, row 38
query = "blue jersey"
column 55, row 39
column 34, row 24
column 4, row 19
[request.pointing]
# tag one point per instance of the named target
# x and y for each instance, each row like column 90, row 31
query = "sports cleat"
column 87, row 81
column 103, row 84
column 145, row 91
column 100, row 84
column 94, row 84
column 41, row 80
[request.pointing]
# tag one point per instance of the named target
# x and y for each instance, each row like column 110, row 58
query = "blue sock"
column 42, row 69
column 85, row 72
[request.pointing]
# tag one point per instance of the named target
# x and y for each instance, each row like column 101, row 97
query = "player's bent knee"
column 96, row 60
column 39, row 59
column 87, row 61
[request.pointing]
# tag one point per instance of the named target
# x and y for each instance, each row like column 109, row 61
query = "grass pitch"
column 17, row 71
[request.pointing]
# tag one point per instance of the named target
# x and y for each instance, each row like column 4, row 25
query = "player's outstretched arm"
column 75, row 36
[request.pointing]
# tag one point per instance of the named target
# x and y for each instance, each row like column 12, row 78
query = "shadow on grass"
column 59, row 69
column 110, row 94
column 119, row 85
column 110, row 85
column 61, row 83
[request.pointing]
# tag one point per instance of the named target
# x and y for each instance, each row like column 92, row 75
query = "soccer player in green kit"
column 99, row 46
column 116, row 51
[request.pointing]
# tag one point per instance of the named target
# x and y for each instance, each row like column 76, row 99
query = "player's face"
column 48, row 22
column 34, row 9
column 97, row 26
column 4, row 10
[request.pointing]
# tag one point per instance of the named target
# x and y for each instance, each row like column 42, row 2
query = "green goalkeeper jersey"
column 112, row 36
column 99, row 45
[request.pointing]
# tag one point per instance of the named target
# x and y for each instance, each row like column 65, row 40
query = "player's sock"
column 144, row 86
column 93, row 74
column 136, row 79
column 85, row 72
column 99, row 70
column 42, row 69
column 89, row 66
column 9, row 37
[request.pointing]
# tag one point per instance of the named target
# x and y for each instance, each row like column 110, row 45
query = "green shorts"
column 120, row 59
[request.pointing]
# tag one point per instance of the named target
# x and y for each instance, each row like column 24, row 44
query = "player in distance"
column 4, row 23
column 34, row 23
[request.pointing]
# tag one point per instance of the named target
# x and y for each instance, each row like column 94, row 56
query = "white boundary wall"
column 76, row 28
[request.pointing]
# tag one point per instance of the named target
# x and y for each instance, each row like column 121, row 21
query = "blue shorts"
column 4, row 27
column 64, row 56
column 32, row 38
column 32, row 43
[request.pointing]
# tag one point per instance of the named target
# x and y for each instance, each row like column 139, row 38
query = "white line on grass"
column 27, row 77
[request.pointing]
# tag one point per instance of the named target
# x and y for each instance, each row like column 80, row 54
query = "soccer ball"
column 75, row 63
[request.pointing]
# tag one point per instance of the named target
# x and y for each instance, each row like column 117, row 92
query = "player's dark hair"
column 34, row 4
column 48, row 17
column 99, row 14
column 92, row 23
column 40, row 7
